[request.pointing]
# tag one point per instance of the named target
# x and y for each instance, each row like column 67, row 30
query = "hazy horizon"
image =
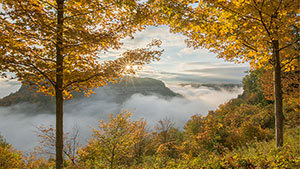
column 85, row 113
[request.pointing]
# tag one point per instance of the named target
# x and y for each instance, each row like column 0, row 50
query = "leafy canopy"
column 30, row 40
column 114, row 142
column 239, row 30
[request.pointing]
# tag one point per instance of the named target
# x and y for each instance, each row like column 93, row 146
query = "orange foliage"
column 290, row 84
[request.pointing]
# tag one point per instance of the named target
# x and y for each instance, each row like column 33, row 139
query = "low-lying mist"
column 19, row 128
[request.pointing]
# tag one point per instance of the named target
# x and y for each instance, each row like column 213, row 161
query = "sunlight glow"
column 128, row 67
column 131, row 67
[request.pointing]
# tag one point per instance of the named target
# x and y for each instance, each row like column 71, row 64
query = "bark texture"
column 278, row 95
column 59, row 86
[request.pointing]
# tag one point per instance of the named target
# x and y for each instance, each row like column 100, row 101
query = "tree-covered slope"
column 121, row 92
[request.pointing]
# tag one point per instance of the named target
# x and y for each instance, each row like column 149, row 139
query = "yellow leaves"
column 10, row 158
column 203, row 135
column 114, row 141
column 251, row 54
column 30, row 42
column 236, row 31
column 220, row 125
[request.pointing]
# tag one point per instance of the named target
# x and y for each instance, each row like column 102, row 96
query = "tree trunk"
column 277, row 95
column 59, row 86
column 59, row 129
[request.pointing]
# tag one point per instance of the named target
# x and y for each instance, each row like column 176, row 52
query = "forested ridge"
column 239, row 134
column 123, row 90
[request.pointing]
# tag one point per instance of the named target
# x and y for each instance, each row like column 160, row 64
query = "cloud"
column 141, row 39
column 186, row 51
column 161, row 32
column 178, row 62
column 195, row 52
column 201, row 72
column 18, row 127
column 225, row 72
column 206, row 64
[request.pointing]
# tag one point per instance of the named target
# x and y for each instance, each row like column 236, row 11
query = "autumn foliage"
column 114, row 144
column 58, row 47
column 239, row 134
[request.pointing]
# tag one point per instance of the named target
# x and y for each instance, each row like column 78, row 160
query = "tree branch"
column 292, row 59
column 236, row 12
column 249, row 46
column 48, row 4
column 297, row 40
column 44, row 74
column 81, row 14
column 83, row 80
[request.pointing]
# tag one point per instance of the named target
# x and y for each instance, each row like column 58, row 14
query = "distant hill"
column 218, row 87
column 120, row 92
column 145, row 86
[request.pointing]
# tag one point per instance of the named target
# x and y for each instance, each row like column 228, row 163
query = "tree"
column 9, row 157
column 165, row 141
column 163, row 131
column 47, row 143
column 56, row 45
column 262, row 32
column 290, row 84
column 113, row 143
column 290, row 94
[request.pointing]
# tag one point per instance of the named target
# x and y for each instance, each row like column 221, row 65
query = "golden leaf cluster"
column 30, row 40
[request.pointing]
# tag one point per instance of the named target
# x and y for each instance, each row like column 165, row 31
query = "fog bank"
column 19, row 128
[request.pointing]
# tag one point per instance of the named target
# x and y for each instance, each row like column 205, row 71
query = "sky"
column 182, row 64
column 178, row 64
